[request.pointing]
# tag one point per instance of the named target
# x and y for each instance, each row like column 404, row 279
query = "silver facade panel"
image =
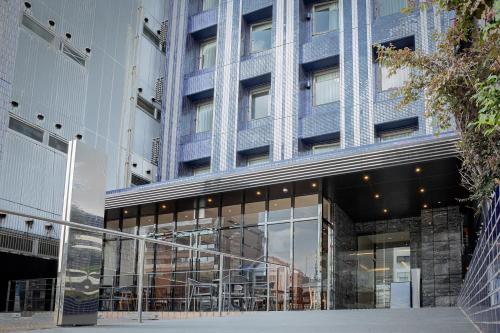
column 80, row 252
column 380, row 156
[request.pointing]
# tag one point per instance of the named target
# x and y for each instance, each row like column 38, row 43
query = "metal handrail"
column 138, row 237
column 141, row 249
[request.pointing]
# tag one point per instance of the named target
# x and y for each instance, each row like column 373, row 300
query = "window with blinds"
column 207, row 54
column 204, row 117
column 326, row 87
column 325, row 17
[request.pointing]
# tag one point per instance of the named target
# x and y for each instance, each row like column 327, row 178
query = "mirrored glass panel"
column 306, row 279
column 306, row 199
column 280, row 203
column 231, row 209
column 166, row 220
column 186, row 219
column 208, row 212
column 255, row 206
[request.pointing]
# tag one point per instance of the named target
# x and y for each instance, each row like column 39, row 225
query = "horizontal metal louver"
column 163, row 33
column 159, row 89
column 155, row 151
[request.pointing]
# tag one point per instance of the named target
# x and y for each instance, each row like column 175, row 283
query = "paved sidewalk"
column 428, row 320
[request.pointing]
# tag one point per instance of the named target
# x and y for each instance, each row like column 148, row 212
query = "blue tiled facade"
column 287, row 68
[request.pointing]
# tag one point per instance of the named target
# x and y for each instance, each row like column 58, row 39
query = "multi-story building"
column 281, row 141
column 89, row 70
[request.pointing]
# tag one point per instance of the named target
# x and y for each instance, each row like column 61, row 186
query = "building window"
column 325, row 17
column 36, row 27
column 326, row 87
column 395, row 134
column 26, row 129
column 148, row 108
column 209, row 4
column 325, row 147
column 388, row 7
column 58, row 144
column 201, row 170
column 257, row 159
column 204, row 117
column 394, row 81
column 207, row 54
column 138, row 180
column 73, row 53
column 260, row 36
column 259, row 103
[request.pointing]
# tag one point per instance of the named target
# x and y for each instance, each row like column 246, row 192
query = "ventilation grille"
column 73, row 54
column 163, row 34
column 155, row 151
column 159, row 90
column 36, row 27
column 138, row 180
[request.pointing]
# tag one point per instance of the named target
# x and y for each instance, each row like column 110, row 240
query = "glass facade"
column 280, row 224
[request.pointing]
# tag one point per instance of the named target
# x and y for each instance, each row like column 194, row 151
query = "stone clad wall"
column 345, row 261
column 441, row 260
column 436, row 248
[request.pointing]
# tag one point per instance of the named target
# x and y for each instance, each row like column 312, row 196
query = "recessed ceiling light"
column 163, row 206
column 209, row 199
column 386, row 210
column 125, row 211
column 285, row 190
column 258, row 193
column 425, row 206
column 314, row 185
column 422, row 190
column 439, row 202
column 366, row 178
column 377, row 195
column 418, row 169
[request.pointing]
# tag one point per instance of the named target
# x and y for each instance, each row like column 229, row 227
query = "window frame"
column 201, row 170
column 314, row 88
column 29, row 125
column 257, row 24
column 257, row 159
column 313, row 11
column 381, row 77
column 202, row 45
column 396, row 134
column 198, row 107
column 335, row 145
column 203, row 9
column 377, row 9
column 256, row 91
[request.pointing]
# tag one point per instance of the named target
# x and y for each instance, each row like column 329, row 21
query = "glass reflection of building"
column 279, row 224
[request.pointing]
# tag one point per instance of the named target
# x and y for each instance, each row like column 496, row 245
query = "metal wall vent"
column 163, row 34
column 159, row 90
column 155, row 151
column 37, row 28
column 138, row 180
column 73, row 53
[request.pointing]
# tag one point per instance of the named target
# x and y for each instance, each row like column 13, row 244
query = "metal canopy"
column 348, row 161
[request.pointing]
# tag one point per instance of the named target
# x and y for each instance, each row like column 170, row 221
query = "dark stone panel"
column 441, row 267
column 443, row 301
column 428, row 270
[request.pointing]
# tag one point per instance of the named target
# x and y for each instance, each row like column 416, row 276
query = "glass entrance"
column 382, row 260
